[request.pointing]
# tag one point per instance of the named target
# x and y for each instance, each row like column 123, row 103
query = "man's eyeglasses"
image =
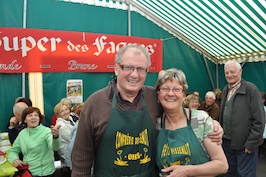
column 167, row 90
column 129, row 68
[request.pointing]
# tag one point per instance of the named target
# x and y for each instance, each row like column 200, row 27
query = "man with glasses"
column 116, row 133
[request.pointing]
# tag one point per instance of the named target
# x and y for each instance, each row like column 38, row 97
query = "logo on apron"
column 127, row 140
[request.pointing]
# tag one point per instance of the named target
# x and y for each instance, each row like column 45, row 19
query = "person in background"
column 263, row 97
column 210, row 106
column 76, row 109
column 218, row 95
column 243, row 119
column 25, row 100
column 196, row 93
column 191, row 101
column 37, row 144
column 183, row 146
column 262, row 147
column 17, row 100
column 69, row 103
column 66, row 124
column 15, row 123
column 117, row 127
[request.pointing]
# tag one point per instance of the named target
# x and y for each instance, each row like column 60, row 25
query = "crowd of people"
column 129, row 129
column 36, row 145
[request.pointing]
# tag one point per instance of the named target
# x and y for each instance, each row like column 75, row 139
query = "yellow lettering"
column 123, row 140
column 143, row 138
column 165, row 150
column 185, row 149
column 134, row 156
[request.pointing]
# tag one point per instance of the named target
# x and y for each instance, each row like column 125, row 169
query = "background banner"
column 35, row 50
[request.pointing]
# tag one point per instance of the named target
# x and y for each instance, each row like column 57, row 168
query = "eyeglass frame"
column 130, row 68
column 174, row 90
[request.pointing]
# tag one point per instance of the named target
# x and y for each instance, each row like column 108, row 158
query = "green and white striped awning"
column 219, row 29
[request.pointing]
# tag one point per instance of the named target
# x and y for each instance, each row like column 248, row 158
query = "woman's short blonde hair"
column 58, row 107
column 189, row 98
column 172, row 74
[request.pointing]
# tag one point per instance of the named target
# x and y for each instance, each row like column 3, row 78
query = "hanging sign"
column 75, row 90
column 35, row 50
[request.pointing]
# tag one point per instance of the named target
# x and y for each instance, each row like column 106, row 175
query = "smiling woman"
column 32, row 117
column 183, row 145
column 37, row 144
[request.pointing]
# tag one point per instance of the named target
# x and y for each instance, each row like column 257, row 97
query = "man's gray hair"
column 138, row 49
column 211, row 94
column 233, row 62
column 19, row 107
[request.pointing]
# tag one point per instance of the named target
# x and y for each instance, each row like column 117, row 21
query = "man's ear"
column 116, row 69
column 16, row 114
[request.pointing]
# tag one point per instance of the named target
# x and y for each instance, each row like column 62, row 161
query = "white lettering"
column 40, row 44
column 77, row 48
column 54, row 41
column 111, row 47
column 73, row 65
column 11, row 66
column 28, row 43
column 99, row 44
column 24, row 46
column 44, row 40
column 6, row 44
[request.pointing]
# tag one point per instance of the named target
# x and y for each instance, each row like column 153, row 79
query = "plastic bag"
column 23, row 171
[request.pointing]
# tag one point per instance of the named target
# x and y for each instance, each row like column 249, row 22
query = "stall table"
column 6, row 168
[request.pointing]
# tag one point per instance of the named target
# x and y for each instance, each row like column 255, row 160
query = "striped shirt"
column 232, row 89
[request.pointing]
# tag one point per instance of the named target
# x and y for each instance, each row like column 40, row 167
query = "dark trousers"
column 66, row 172
column 241, row 164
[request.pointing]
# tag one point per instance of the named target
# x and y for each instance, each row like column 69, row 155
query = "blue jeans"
column 241, row 164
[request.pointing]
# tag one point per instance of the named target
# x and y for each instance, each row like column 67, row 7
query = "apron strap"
column 188, row 119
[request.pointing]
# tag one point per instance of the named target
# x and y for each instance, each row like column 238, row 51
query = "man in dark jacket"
column 242, row 118
column 15, row 124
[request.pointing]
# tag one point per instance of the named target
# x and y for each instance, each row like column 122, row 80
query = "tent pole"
column 209, row 73
column 129, row 18
column 217, row 75
column 242, row 65
column 24, row 26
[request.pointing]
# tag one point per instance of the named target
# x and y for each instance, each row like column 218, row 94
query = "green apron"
column 179, row 147
column 128, row 145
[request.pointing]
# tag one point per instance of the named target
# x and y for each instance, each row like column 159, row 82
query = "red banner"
column 35, row 50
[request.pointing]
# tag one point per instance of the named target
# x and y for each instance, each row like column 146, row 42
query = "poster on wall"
column 35, row 50
column 74, row 90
